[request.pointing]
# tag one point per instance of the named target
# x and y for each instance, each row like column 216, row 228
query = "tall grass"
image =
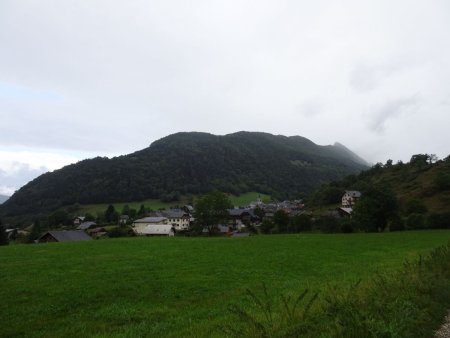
column 276, row 316
column 410, row 302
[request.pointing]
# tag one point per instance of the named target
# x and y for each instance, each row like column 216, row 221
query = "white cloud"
column 18, row 166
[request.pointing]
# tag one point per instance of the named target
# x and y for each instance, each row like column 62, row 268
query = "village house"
column 350, row 198
column 240, row 217
column 64, row 236
column 78, row 220
column 345, row 212
column 178, row 218
column 87, row 225
column 153, row 226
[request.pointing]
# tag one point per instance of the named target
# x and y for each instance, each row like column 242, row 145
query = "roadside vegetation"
column 409, row 302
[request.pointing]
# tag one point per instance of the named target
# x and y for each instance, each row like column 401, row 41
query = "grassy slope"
column 94, row 209
column 416, row 183
column 178, row 286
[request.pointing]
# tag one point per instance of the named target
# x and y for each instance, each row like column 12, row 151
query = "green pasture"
column 179, row 286
column 155, row 204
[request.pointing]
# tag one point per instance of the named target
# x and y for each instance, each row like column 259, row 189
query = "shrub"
column 347, row 225
column 268, row 316
column 3, row 236
column 439, row 221
column 415, row 206
column 120, row 232
column 267, row 226
column 301, row 223
column 407, row 303
column 415, row 222
column 442, row 182
column 396, row 224
column 328, row 224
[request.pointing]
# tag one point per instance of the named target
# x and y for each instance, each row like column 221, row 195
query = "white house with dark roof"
column 178, row 218
column 350, row 198
column 153, row 226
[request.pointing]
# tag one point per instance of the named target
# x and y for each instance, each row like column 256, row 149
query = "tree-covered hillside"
column 191, row 163
column 423, row 184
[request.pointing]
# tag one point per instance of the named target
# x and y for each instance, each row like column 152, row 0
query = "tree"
column 126, row 210
column 301, row 223
column 132, row 213
column 259, row 212
column 267, row 226
column 415, row 222
column 111, row 215
column 57, row 218
column 432, row 158
column 281, row 220
column 376, row 207
column 415, row 206
column 211, row 210
column 3, row 235
column 89, row 217
column 419, row 160
column 141, row 211
column 35, row 231
column 442, row 181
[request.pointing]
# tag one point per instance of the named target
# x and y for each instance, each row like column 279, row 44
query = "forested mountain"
column 191, row 163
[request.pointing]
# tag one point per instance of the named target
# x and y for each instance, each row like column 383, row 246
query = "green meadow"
column 155, row 204
column 180, row 286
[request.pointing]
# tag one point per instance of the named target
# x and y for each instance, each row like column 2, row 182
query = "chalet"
column 350, row 198
column 243, row 216
column 179, row 218
column 87, row 225
column 153, row 226
column 64, row 236
column 78, row 220
column 345, row 212
column 124, row 219
column 188, row 209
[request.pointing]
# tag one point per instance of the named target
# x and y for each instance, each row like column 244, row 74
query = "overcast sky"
column 80, row 79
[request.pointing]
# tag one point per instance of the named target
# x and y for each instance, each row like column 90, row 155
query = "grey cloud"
column 311, row 107
column 391, row 110
column 20, row 174
column 366, row 77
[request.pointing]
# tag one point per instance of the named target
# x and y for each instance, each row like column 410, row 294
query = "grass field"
column 154, row 204
column 178, row 287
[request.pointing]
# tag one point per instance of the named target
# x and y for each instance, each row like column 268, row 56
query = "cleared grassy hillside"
column 154, row 204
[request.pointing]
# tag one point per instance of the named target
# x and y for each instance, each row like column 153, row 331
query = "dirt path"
column 444, row 330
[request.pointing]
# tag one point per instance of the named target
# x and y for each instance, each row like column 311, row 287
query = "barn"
column 64, row 236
